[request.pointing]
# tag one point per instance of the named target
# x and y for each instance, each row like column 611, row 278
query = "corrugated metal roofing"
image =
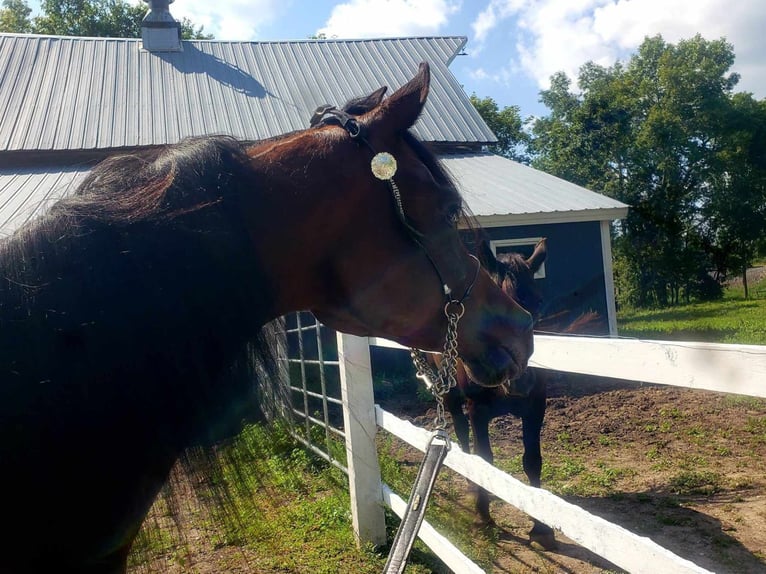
column 491, row 186
column 65, row 93
column 28, row 192
column 494, row 186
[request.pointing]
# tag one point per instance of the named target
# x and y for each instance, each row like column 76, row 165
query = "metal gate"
column 313, row 388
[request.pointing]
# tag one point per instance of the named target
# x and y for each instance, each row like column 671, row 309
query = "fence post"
column 365, row 487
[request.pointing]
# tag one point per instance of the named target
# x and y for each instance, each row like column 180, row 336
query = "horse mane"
column 588, row 322
column 170, row 213
column 146, row 263
column 159, row 184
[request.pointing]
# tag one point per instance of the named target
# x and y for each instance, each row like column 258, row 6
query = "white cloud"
column 554, row 35
column 495, row 12
column 501, row 76
column 388, row 18
column 479, row 74
column 230, row 19
column 560, row 35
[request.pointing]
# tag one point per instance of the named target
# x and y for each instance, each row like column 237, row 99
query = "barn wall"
column 574, row 268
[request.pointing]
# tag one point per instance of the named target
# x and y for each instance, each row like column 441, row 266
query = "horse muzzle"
column 499, row 364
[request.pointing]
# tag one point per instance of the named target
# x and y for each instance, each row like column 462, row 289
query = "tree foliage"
column 734, row 207
column 507, row 125
column 14, row 17
column 104, row 18
column 665, row 134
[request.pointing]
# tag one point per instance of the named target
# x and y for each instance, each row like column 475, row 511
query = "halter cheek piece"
column 383, row 167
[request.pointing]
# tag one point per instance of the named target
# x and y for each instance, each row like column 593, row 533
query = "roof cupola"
column 160, row 32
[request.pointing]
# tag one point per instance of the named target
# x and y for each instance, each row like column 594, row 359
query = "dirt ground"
column 685, row 468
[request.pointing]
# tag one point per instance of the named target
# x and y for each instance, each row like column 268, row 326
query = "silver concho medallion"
column 383, row 165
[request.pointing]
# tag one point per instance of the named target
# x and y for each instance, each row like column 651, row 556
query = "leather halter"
column 330, row 115
column 441, row 383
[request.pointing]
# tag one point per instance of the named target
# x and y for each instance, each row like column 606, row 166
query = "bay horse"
column 472, row 406
column 524, row 397
column 125, row 307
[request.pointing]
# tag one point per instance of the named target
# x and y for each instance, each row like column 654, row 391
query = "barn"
column 68, row 102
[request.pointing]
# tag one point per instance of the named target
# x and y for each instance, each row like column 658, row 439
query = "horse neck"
column 114, row 353
column 298, row 228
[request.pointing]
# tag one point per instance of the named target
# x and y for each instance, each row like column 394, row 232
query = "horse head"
column 516, row 274
column 379, row 245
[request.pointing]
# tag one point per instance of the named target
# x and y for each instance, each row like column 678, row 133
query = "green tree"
column 104, row 18
column 512, row 140
column 191, row 32
column 647, row 133
column 735, row 206
column 14, row 17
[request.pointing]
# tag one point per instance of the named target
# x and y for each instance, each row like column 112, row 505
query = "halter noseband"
column 384, row 168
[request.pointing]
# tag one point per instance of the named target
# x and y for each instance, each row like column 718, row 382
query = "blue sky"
column 513, row 45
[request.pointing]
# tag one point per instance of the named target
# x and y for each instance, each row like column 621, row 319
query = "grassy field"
column 733, row 319
column 282, row 510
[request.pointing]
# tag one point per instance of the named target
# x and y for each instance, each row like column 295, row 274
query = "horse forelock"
column 517, row 280
column 512, row 267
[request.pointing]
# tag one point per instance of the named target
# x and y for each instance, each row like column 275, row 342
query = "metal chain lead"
column 442, row 381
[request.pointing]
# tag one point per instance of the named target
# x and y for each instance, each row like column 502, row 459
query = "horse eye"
column 454, row 215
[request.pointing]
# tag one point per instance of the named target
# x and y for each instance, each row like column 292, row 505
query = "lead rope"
column 438, row 446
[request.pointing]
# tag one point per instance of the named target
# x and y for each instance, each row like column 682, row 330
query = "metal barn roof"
column 503, row 192
column 67, row 93
column 61, row 94
column 26, row 193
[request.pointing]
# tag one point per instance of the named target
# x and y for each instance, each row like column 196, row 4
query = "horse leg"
column 454, row 402
column 532, row 424
column 479, row 414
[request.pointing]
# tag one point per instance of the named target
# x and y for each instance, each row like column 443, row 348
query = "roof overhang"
column 498, row 191
column 514, row 219
column 501, row 192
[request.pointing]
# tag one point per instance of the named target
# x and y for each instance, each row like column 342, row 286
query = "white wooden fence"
column 738, row 369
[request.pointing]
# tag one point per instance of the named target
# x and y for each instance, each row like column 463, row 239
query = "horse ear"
column 401, row 110
column 376, row 97
column 364, row 104
column 538, row 255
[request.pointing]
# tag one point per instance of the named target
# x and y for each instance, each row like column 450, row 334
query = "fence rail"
column 621, row 547
column 735, row 369
column 738, row 369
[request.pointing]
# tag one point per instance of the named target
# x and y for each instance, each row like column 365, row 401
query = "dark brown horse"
column 525, row 397
column 473, row 406
column 126, row 307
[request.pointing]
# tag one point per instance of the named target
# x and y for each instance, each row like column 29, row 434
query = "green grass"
column 288, row 512
column 730, row 320
column 689, row 482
